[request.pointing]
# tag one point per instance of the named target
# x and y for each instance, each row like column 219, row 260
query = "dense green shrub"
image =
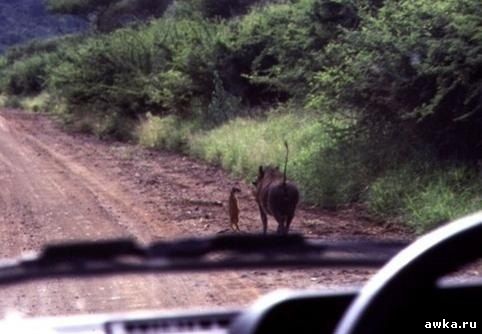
column 105, row 71
column 24, row 68
column 106, row 123
column 416, row 69
column 166, row 132
column 36, row 46
column 166, row 67
column 107, row 15
column 224, row 9
column 26, row 76
column 272, row 56
column 41, row 46
column 212, row 9
column 3, row 63
column 13, row 102
column 223, row 105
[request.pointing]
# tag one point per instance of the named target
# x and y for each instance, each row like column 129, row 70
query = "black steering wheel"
column 410, row 277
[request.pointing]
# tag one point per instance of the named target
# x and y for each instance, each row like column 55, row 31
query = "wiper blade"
column 196, row 254
column 82, row 251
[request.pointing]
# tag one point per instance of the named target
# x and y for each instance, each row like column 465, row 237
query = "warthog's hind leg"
column 281, row 219
column 264, row 219
column 288, row 221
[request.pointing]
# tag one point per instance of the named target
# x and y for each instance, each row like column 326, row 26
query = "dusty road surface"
column 58, row 187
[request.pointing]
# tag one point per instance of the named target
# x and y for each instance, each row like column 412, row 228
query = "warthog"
column 276, row 196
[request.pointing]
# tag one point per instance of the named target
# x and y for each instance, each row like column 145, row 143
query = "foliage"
column 165, row 133
column 105, row 124
column 40, row 46
column 25, row 76
column 106, row 15
column 24, row 68
column 223, row 105
column 213, row 9
column 161, row 68
column 38, row 103
column 24, row 20
column 13, row 102
column 415, row 69
column 34, row 103
column 188, row 66
column 274, row 48
column 241, row 145
column 424, row 196
column 223, row 9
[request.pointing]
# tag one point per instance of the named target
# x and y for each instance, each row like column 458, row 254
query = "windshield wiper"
column 196, row 254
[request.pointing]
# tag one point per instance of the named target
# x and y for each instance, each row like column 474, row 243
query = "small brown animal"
column 233, row 208
column 276, row 196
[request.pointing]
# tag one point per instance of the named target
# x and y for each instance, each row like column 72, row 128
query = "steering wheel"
column 411, row 276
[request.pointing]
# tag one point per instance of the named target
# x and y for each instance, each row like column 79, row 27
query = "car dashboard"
column 283, row 311
column 302, row 308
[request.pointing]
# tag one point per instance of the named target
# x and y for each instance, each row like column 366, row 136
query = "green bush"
column 415, row 69
column 212, row 9
column 35, row 47
column 223, row 105
column 110, row 70
column 276, row 46
column 165, row 133
column 162, row 67
column 108, row 15
column 38, row 103
column 24, row 68
column 115, row 125
column 26, row 76
column 13, row 102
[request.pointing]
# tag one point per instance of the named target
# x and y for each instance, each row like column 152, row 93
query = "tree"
column 107, row 15
column 414, row 71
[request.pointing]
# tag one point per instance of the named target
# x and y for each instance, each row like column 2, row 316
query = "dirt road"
column 57, row 187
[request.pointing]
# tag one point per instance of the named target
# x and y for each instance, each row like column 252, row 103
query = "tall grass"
column 241, row 145
column 165, row 133
column 426, row 197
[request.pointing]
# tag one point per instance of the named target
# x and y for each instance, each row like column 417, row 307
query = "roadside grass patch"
column 36, row 103
column 243, row 144
column 166, row 132
column 86, row 119
column 12, row 101
column 426, row 198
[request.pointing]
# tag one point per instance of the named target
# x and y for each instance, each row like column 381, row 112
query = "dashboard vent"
column 200, row 324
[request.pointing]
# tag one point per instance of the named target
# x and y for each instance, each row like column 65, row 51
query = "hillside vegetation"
column 380, row 101
column 24, row 20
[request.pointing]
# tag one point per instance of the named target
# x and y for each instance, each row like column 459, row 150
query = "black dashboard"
column 278, row 312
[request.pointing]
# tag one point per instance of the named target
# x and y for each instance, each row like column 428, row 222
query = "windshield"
column 160, row 120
